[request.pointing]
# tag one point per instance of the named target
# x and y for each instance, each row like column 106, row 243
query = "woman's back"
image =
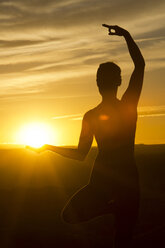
column 114, row 128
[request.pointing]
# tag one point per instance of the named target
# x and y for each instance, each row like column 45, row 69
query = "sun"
column 35, row 134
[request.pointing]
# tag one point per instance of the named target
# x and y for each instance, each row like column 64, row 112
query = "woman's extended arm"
column 79, row 153
column 132, row 94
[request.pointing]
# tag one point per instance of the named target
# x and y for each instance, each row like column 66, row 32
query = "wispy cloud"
column 151, row 111
column 71, row 117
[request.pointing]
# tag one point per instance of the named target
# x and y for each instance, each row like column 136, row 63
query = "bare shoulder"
column 90, row 114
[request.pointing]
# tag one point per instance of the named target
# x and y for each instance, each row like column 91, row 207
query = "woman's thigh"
column 90, row 202
column 86, row 204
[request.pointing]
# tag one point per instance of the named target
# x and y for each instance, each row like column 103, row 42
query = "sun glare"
column 35, row 135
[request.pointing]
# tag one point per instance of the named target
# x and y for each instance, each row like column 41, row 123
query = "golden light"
column 104, row 117
column 35, row 134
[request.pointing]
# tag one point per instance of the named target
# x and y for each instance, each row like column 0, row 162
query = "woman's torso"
column 114, row 130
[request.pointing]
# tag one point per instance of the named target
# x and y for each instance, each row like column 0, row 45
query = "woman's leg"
column 86, row 204
column 125, row 220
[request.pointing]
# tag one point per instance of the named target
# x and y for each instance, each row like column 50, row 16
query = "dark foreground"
column 34, row 189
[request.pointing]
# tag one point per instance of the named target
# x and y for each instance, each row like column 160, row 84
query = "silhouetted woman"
column 114, row 185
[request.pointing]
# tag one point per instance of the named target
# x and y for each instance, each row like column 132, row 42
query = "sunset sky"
column 49, row 55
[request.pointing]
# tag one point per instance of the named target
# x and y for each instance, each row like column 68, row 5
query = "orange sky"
column 50, row 51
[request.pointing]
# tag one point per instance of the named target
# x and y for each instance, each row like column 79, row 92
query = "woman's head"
column 108, row 77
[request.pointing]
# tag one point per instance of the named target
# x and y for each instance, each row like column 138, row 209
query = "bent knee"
column 68, row 217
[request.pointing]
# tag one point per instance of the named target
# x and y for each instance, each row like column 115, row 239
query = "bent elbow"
column 140, row 65
column 143, row 63
column 82, row 158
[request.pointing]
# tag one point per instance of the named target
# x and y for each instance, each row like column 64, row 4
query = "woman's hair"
column 108, row 75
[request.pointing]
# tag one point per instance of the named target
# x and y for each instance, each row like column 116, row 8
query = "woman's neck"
column 109, row 99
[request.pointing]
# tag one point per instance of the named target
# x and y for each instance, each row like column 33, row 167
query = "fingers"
column 105, row 25
column 112, row 32
column 36, row 150
column 29, row 147
column 109, row 26
column 32, row 148
column 112, row 29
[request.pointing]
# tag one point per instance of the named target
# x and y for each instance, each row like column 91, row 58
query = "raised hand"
column 115, row 30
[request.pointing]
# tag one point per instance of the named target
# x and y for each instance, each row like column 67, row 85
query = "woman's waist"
column 116, row 156
column 112, row 177
column 114, row 166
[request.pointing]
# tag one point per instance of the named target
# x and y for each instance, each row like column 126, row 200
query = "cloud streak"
column 71, row 117
column 151, row 111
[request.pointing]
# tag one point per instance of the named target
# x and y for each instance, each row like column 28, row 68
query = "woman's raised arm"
column 132, row 94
